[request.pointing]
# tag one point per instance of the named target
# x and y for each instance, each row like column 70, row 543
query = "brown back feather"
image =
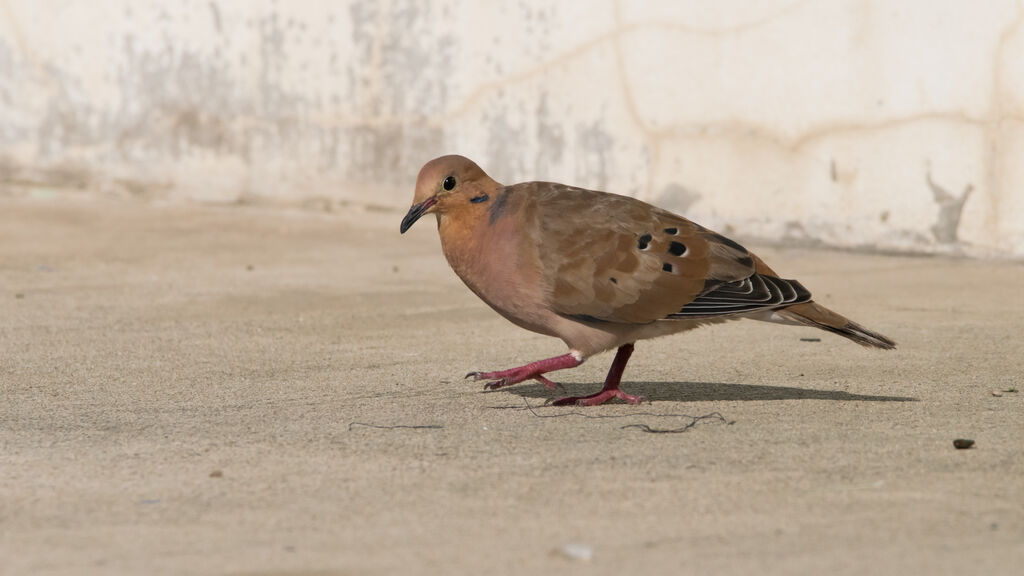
column 622, row 260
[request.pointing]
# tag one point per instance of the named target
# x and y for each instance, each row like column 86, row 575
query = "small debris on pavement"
column 810, row 339
column 217, row 474
column 963, row 443
column 997, row 393
column 575, row 551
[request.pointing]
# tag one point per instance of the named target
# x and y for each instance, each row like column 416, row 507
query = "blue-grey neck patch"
column 499, row 205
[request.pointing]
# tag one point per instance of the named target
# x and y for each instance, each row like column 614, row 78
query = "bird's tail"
column 813, row 314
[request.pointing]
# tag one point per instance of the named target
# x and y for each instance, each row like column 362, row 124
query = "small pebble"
column 217, row 474
column 575, row 551
column 19, row 295
column 963, row 443
column 250, row 267
column 997, row 393
column 810, row 339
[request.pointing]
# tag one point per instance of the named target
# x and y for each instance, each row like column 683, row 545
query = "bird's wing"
column 610, row 258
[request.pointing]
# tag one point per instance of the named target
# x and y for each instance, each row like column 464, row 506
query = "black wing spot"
column 667, row 267
column 644, row 241
column 614, row 280
column 677, row 248
column 671, row 231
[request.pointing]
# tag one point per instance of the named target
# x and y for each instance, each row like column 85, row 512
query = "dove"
column 600, row 271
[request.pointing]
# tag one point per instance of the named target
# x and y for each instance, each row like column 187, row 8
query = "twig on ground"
column 393, row 427
column 694, row 419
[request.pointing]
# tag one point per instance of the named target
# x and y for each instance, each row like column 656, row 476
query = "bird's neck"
column 465, row 242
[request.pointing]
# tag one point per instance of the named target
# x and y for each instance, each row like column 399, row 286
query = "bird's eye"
column 449, row 183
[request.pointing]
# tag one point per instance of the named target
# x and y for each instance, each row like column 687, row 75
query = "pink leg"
column 611, row 384
column 533, row 370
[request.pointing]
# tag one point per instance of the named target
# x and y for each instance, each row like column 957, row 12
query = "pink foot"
column 503, row 378
column 599, row 398
column 532, row 371
column 548, row 383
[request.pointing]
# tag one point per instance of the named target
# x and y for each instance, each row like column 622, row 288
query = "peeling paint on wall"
column 226, row 100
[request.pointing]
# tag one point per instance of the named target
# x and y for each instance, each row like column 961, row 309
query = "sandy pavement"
column 185, row 390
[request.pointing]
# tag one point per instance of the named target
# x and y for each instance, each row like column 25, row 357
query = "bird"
column 599, row 270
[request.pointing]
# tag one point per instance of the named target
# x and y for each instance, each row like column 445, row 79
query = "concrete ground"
column 247, row 390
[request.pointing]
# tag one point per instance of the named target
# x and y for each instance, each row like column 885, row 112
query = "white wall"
column 894, row 124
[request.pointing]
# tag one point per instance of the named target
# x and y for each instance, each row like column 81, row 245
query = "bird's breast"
column 495, row 262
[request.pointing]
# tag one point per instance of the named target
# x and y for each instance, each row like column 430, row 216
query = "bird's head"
column 448, row 184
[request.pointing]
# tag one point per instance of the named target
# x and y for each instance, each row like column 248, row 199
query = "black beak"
column 415, row 213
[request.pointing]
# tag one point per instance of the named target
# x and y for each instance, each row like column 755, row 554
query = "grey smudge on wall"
column 550, row 139
column 215, row 14
column 950, row 210
column 502, row 141
column 677, row 198
column 7, row 83
column 594, row 144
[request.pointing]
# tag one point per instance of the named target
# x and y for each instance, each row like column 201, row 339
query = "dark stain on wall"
column 950, row 210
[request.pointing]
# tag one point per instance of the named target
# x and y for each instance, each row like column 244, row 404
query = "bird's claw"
column 493, row 384
column 496, row 384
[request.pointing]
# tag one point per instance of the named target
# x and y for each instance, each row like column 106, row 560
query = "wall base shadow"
column 702, row 392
